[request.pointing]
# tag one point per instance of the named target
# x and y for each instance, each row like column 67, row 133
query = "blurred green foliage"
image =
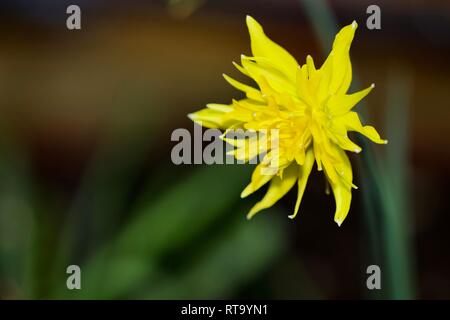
column 186, row 238
column 166, row 249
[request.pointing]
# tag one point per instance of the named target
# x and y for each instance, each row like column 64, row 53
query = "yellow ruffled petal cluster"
column 311, row 110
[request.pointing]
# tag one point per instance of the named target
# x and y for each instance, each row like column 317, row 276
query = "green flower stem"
column 395, row 188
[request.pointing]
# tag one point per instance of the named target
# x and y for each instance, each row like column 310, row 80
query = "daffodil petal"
column 343, row 198
column 251, row 92
column 310, row 65
column 338, row 62
column 212, row 119
column 353, row 123
column 303, row 86
column 260, row 177
column 248, row 149
column 241, row 69
column 277, row 189
column 220, row 107
column 303, row 175
column 347, row 79
column 273, row 77
column 341, row 48
column 345, row 143
column 262, row 46
column 338, row 133
column 341, row 190
column 341, row 104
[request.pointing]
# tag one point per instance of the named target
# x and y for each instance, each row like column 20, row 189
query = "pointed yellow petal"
column 343, row 198
column 341, row 190
column 247, row 149
column 277, row 189
column 219, row 107
column 303, row 87
column 262, row 46
column 263, row 70
column 340, row 55
column 338, row 65
column 212, row 118
column 347, row 79
column 353, row 123
column 259, row 178
column 341, row 104
column 238, row 113
column 345, row 143
column 303, row 174
column 240, row 68
column 338, row 134
column 323, row 88
column 251, row 92
column 311, row 66
column 344, row 37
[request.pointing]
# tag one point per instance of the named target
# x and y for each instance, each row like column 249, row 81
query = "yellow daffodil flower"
column 311, row 109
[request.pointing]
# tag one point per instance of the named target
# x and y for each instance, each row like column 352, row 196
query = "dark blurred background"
column 86, row 177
